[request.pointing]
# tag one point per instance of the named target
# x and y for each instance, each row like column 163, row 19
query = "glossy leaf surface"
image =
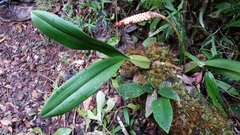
column 63, row 131
column 213, row 91
column 130, row 90
column 168, row 92
column 68, row 34
column 140, row 61
column 226, row 87
column 80, row 87
column 225, row 67
column 163, row 113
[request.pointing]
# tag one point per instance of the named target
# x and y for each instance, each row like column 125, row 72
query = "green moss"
column 195, row 115
column 155, row 52
column 192, row 115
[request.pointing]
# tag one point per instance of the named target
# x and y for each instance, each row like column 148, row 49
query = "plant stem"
column 104, row 127
column 174, row 28
column 149, row 16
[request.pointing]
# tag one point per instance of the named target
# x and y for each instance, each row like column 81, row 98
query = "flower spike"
column 149, row 16
column 136, row 19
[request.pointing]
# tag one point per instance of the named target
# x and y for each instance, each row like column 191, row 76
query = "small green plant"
column 160, row 105
column 128, row 123
column 60, row 131
column 101, row 111
column 216, row 65
column 37, row 130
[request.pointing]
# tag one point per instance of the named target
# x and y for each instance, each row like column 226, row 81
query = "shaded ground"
column 29, row 66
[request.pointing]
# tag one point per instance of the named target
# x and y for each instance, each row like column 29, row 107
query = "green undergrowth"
column 191, row 115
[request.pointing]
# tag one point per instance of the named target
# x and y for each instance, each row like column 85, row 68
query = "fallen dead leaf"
column 15, row 120
column 86, row 103
column 8, row 86
column 19, row 28
column 186, row 79
column 6, row 122
column 1, row 71
column 34, row 95
column 190, row 90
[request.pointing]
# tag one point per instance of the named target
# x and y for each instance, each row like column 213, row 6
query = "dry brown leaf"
column 86, row 103
column 6, row 122
column 1, row 71
column 190, row 90
column 187, row 80
column 15, row 120
column 8, row 86
column 19, row 28
column 34, row 95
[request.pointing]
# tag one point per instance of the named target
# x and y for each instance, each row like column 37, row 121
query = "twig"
column 122, row 126
column 167, row 64
column 227, row 91
column 74, row 120
column 2, row 40
column 104, row 127
column 46, row 78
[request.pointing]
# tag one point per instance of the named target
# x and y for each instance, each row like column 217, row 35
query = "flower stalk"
column 149, row 16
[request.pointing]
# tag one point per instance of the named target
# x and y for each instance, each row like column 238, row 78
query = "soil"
column 29, row 66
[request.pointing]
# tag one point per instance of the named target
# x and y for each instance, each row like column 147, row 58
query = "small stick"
column 74, row 120
column 122, row 126
column 167, row 64
column 3, row 39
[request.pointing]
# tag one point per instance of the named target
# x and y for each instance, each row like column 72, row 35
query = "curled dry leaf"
column 197, row 78
column 186, row 80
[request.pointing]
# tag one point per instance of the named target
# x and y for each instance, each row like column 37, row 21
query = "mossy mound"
column 195, row 115
column 192, row 115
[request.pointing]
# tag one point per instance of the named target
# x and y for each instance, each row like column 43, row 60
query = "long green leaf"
column 80, row 87
column 213, row 91
column 68, row 34
column 192, row 57
column 229, row 73
column 233, row 24
column 225, row 67
column 224, row 86
column 163, row 113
